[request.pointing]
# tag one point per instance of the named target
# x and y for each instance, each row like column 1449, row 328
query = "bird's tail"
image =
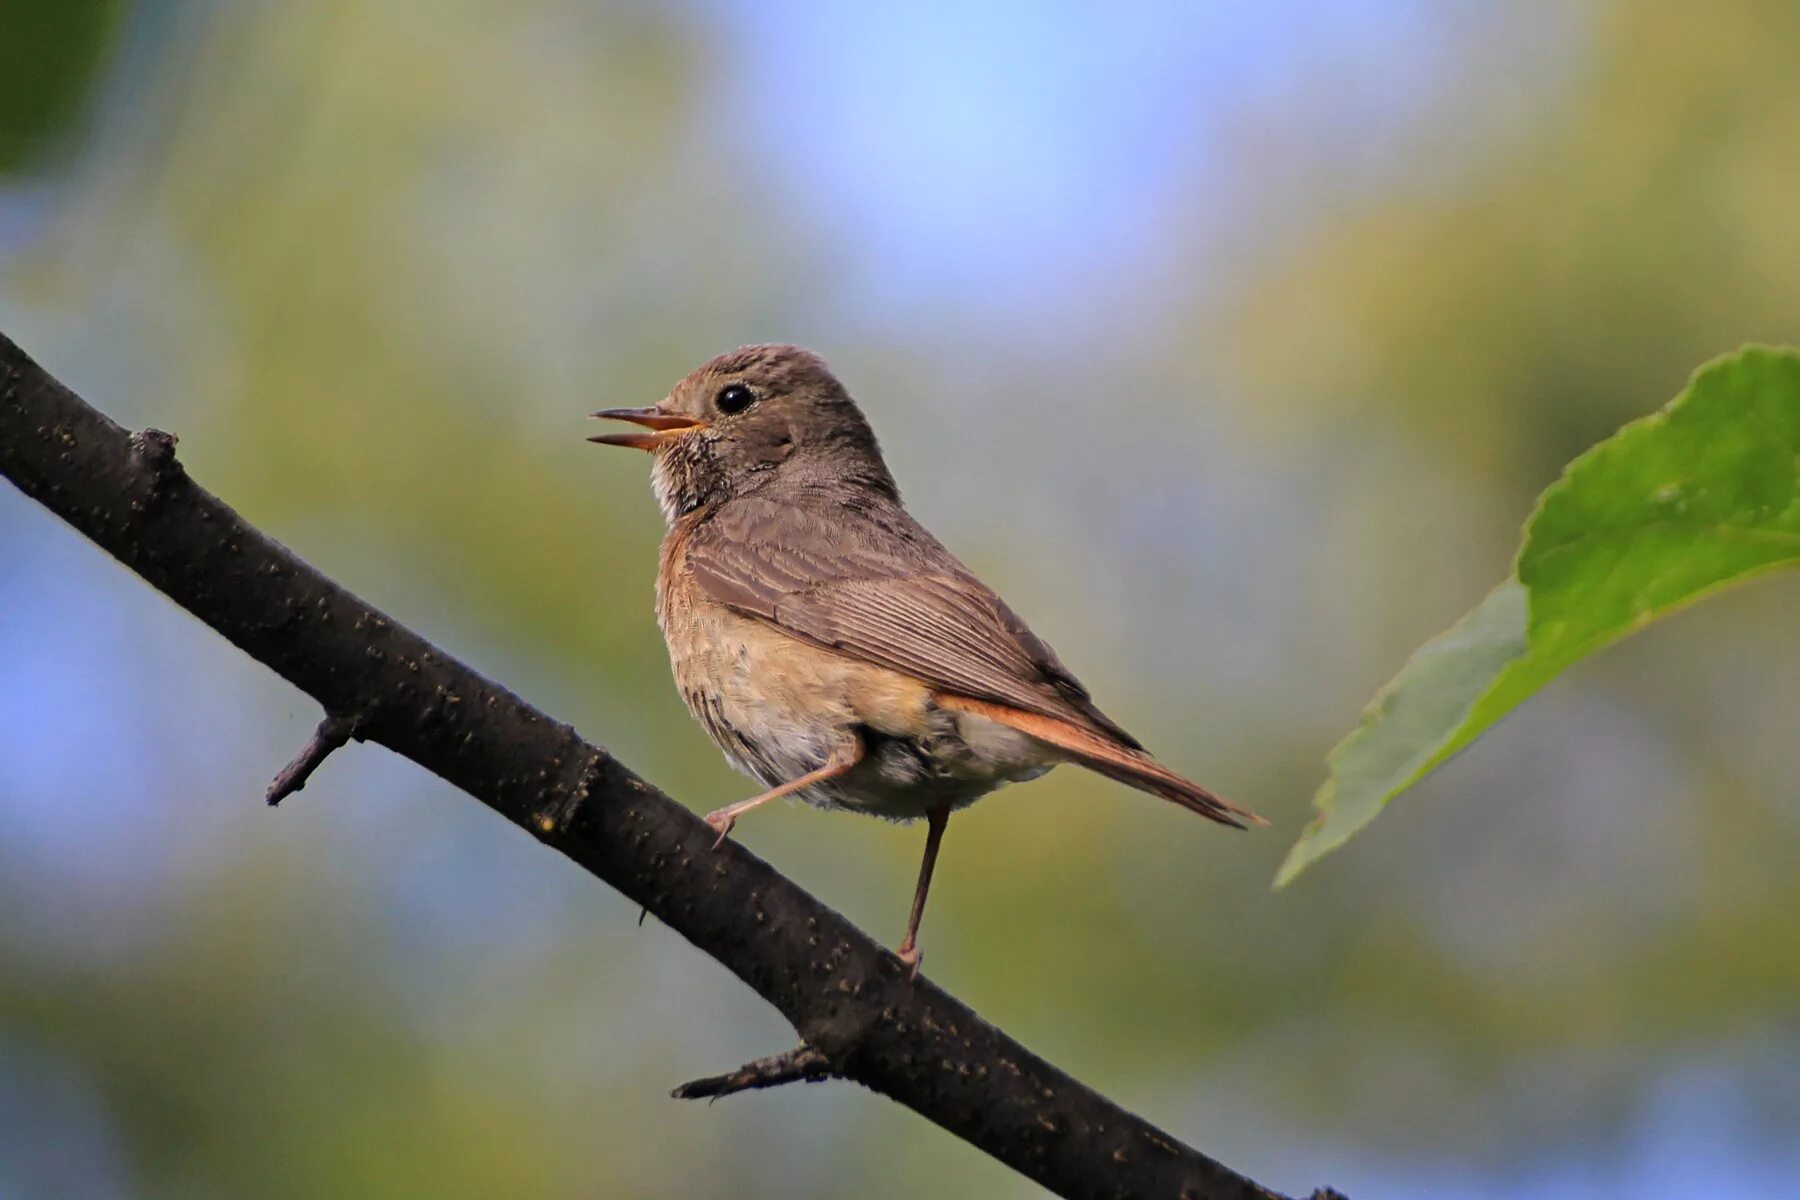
column 1106, row 756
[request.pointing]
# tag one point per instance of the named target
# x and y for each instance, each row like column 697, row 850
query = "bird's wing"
column 874, row 584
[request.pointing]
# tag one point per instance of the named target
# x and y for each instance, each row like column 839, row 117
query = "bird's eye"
column 734, row 398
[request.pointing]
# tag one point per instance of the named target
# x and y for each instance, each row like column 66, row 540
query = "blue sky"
column 1041, row 157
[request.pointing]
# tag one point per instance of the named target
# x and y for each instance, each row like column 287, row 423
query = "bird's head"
column 747, row 419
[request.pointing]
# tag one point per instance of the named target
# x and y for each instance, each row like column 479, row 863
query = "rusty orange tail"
column 1098, row 752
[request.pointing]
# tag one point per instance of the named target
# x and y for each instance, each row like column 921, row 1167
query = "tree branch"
column 802, row 1064
column 858, row 1013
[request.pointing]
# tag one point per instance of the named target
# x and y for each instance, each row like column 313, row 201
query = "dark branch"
column 806, row 1064
column 332, row 733
column 846, row 996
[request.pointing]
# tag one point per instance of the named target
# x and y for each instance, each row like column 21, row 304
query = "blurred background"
column 1230, row 342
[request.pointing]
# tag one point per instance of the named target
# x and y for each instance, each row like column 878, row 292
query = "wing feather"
column 876, row 585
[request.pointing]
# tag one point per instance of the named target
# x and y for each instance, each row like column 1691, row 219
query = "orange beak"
column 665, row 425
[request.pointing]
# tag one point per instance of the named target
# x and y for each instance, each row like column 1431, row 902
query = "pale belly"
column 778, row 707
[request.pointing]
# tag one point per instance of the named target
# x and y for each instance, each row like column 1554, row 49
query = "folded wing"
column 876, row 585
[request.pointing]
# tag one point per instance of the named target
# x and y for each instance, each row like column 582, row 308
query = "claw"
column 722, row 821
column 910, row 954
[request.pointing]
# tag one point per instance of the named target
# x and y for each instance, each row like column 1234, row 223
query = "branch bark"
column 858, row 1013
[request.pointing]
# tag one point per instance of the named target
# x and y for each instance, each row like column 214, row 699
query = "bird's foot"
column 910, row 954
column 723, row 821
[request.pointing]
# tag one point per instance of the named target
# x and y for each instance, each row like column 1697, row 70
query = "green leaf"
column 1671, row 508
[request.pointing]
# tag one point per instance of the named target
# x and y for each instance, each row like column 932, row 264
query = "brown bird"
column 829, row 645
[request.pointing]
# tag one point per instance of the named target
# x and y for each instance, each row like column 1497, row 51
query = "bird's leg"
column 936, row 820
column 842, row 759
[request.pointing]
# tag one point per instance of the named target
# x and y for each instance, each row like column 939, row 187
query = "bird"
column 829, row 645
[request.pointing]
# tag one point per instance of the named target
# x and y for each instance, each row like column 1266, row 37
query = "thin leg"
column 936, row 820
column 841, row 760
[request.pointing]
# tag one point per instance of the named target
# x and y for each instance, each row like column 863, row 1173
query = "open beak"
column 665, row 426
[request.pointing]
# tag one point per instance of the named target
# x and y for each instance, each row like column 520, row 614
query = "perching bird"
column 829, row 645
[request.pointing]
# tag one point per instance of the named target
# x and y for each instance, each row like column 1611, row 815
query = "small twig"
column 332, row 733
column 801, row 1064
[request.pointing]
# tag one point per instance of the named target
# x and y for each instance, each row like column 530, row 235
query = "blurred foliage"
column 1637, row 226
column 1668, row 510
column 51, row 54
column 375, row 263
